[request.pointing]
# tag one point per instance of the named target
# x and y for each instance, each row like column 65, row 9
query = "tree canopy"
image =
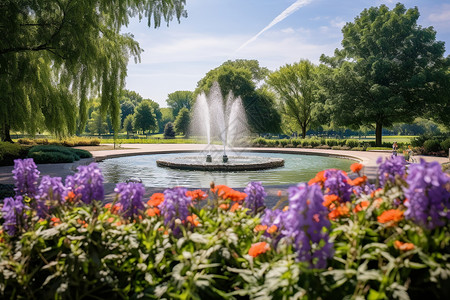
column 144, row 117
column 258, row 104
column 55, row 54
column 296, row 86
column 389, row 70
column 182, row 122
column 180, row 99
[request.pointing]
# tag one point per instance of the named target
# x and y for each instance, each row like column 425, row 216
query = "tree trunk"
column 6, row 135
column 378, row 134
column 303, row 131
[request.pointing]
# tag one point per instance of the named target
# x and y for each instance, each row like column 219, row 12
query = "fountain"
column 220, row 119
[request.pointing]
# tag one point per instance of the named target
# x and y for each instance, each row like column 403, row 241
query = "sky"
column 275, row 32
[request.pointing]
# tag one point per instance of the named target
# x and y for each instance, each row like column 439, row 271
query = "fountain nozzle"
column 225, row 158
column 208, row 158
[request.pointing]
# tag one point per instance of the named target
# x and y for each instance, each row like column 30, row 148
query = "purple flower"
column 428, row 200
column 307, row 225
column 130, row 198
column 175, row 207
column 13, row 212
column 255, row 196
column 88, row 183
column 50, row 190
column 336, row 183
column 388, row 169
column 26, row 177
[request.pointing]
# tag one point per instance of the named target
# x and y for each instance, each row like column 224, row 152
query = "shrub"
column 445, row 145
column 332, row 142
column 296, row 142
column 169, row 131
column 259, row 141
column 342, row 142
column 431, row 146
column 41, row 157
column 305, row 143
column 359, row 148
column 11, row 151
column 81, row 153
column 352, row 143
column 314, row 142
column 56, row 154
column 284, row 142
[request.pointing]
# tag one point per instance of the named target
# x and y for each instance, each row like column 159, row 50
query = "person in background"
column 394, row 149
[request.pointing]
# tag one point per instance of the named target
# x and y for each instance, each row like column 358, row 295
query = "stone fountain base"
column 234, row 163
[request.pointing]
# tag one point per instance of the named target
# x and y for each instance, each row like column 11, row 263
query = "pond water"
column 297, row 168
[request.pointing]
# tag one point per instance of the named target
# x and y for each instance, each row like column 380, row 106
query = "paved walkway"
column 367, row 158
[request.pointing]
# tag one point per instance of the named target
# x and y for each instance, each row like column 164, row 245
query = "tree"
column 167, row 117
column 157, row 113
column 126, row 109
column 252, row 65
column 55, row 53
column 128, row 124
column 389, row 70
column 97, row 124
column 169, row 132
column 182, row 122
column 180, row 99
column 259, row 107
column 296, row 86
column 144, row 118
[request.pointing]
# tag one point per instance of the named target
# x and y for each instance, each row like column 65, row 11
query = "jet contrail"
column 286, row 13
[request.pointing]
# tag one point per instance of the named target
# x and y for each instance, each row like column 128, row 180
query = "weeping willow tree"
column 55, row 54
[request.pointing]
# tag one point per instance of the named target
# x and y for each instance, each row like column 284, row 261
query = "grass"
column 392, row 138
column 150, row 141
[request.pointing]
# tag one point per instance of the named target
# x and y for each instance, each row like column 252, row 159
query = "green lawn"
column 392, row 138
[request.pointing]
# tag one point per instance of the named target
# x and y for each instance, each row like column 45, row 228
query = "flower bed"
column 333, row 238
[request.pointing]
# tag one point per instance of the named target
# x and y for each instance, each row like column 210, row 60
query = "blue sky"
column 177, row 57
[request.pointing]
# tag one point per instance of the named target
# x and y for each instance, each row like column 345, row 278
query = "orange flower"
column 113, row 209
column 390, row 217
column 56, row 221
column 156, row 199
column 193, row 220
column 330, row 199
column 259, row 228
column 226, row 192
column 224, row 206
column 235, row 207
column 358, row 180
column 258, row 248
column 153, row 211
column 197, row 195
column 272, row 229
column 339, row 211
column 279, row 193
column 403, row 246
column 320, row 178
column 70, row 196
column 110, row 220
column 356, row 167
column 286, row 208
column 361, row 206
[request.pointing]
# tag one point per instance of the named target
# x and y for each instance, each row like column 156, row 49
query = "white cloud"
column 288, row 30
column 443, row 15
column 337, row 22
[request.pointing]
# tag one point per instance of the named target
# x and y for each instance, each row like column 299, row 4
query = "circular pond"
column 297, row 168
